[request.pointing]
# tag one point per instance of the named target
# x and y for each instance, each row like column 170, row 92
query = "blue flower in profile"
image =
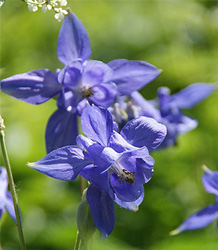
column 167, row 109
column 116, row 164
column 208, row 214
column 6, row 202
column 80, row 80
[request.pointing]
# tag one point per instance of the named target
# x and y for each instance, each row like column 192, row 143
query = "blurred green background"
column 180, row 37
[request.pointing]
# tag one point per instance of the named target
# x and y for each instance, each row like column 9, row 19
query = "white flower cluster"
column 56, row 5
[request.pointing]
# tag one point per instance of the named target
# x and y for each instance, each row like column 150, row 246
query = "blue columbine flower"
column 166, row 109
column 116, row 164
column 78, row 81
column 207, row 215
column 6, row 202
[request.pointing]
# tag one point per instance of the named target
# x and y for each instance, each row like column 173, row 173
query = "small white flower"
column 59, row 16
column 1, row 3
column 54, row 3
column 49, row 7
column 63, row 2
column 44, row 8
column 65, row 12
column 32, row 7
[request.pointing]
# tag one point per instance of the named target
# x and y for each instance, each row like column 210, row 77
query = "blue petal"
column 199, row 220
column 1, row 212
column 102, row 209
column 103, row 157
column 144, row 131
column 104, row 94
column 70, row 75
column 124, row 191
column 192, row 95
column 61, row 130
column 119, row 144
column 3, row 181
column 84, row 142
column 210, row 181
column 133, row 205
column 73, row 40
column 9, row 205
column 144, row 170
column 97, row 124
column 63, row 164
column 34, row 87
column 163, row 96
column 186, row 124
column 94, row 175
column 132, row 75
column 176, row 126
column 146, row 108
column 68, row 100
column 96, row 72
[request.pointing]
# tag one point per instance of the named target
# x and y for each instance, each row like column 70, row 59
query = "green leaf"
column 85, row 222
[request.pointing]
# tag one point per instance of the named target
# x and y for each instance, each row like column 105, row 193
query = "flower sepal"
column 85, row 223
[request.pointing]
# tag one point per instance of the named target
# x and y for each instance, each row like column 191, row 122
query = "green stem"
column 82, row 184
column 82, row 187
column 11, row 184
column 78, row 242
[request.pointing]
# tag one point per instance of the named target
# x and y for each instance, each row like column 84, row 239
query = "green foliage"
column 180, row 37
column 85, row 223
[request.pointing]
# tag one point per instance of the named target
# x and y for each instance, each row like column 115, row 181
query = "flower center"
column 123, row 174
column 127, row 176
column 87, row 92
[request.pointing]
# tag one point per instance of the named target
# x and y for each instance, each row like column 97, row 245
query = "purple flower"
column 78, row 81
column 166, row 109
column 6, row 202
column 208, row 214
column 116, row 164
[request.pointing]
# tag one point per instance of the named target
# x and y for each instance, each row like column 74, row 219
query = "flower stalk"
column 11, row 184
column 78, row 241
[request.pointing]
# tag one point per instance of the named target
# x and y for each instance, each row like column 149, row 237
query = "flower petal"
column 96, row 72
column 70, row 75
column 146, row 108
column 199, row 220
column 68, row 100
column 63, row 164
column 9, row 205
column 144, row 131
column 61, row 130
column 144, row 170
column 102, row 156
column 133, row 205
column 192, row 95
column 104, row 94
column 1, row 212
column 97, row 124
column 94, row 175
column 210, row 181
column 176, row 125
column 124, row 191
column 84, row 142
column 34, row 87
column 102, row 209
column 132, row 75
column 119, row 144
column 3, row 181
column 73, row 40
